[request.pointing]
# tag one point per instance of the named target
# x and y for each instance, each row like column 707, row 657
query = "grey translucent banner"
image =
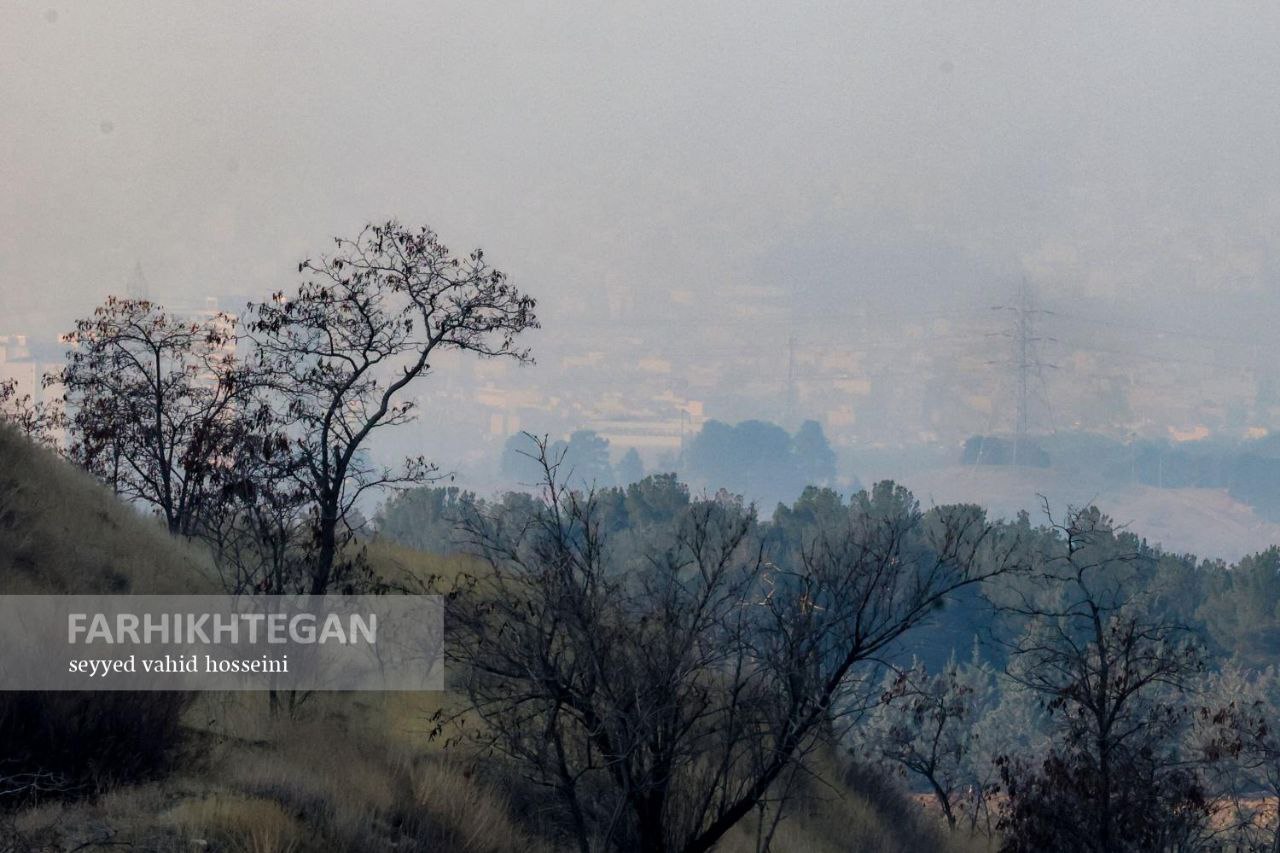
column 221, row 642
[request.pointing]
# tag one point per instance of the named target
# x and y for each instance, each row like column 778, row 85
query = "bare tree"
column 1112, row 674
column 665, row 702
column 342, row 352
column 925, row 725
column 1235, row 735
column 38, row 420
column 258, row 528
column 151, row 399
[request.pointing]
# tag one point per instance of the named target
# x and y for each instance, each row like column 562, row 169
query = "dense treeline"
column 1248, row 469
column 755, row 459
column 1234, row 608
column 1103, row 695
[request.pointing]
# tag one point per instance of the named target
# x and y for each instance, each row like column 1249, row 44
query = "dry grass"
column 354, row 785
column 63, row 532
column 413, row 569
column 333, row 781
column 237, row 823
column 468, row 814
column 125, row 817
column 304, row 787
column 342, row 787
column 397, row 720
column 849, row 810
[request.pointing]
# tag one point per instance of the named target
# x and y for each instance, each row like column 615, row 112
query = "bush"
column 81, row 743
column 1056, row 807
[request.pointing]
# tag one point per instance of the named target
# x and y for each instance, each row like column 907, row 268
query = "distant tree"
column 518, row 463
column 586, row 460
column 424, row 518
column 1242, row 610
column 583, row 459
column 708, row 455
column 656, row 499
column 659, row 708
column 152, row 402
column 759, row 460
column 1112, row 676
column 991, row 450
column 753, row 458
column 630, row 469
column 341, row 353
column 814, row 456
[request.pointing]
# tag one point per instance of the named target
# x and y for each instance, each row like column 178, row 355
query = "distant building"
column 17, row 365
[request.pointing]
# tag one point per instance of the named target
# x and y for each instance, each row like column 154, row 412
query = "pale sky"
column 1127, row 150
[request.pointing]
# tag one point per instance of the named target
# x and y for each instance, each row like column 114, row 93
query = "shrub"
column 70, row 743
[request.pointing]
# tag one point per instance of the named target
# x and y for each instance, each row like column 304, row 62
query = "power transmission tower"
column 791, row 379
column 1026, row 363
column 138, row 287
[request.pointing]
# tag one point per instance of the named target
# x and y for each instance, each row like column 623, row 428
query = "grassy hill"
column 63, row 532
column 353, row 772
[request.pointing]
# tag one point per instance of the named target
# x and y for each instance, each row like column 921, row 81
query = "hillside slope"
column 63, row 532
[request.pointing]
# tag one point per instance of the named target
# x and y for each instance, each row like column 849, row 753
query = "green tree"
column 658, row 498
column 814, row 456
column 585, row 460
column 424, row 518
column 1242, row 609
column 630, row 469
column 1236, row 737
column 925, row 725
column 666, row 700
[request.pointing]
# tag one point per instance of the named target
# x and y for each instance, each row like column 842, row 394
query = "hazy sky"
column 1106, row 148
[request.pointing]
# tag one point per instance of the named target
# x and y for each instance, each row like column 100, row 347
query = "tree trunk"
column 1104, row 815
column 944, row 801
column 650, row 837
column 322, row 571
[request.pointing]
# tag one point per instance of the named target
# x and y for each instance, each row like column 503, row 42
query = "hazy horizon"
column 774, row 212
